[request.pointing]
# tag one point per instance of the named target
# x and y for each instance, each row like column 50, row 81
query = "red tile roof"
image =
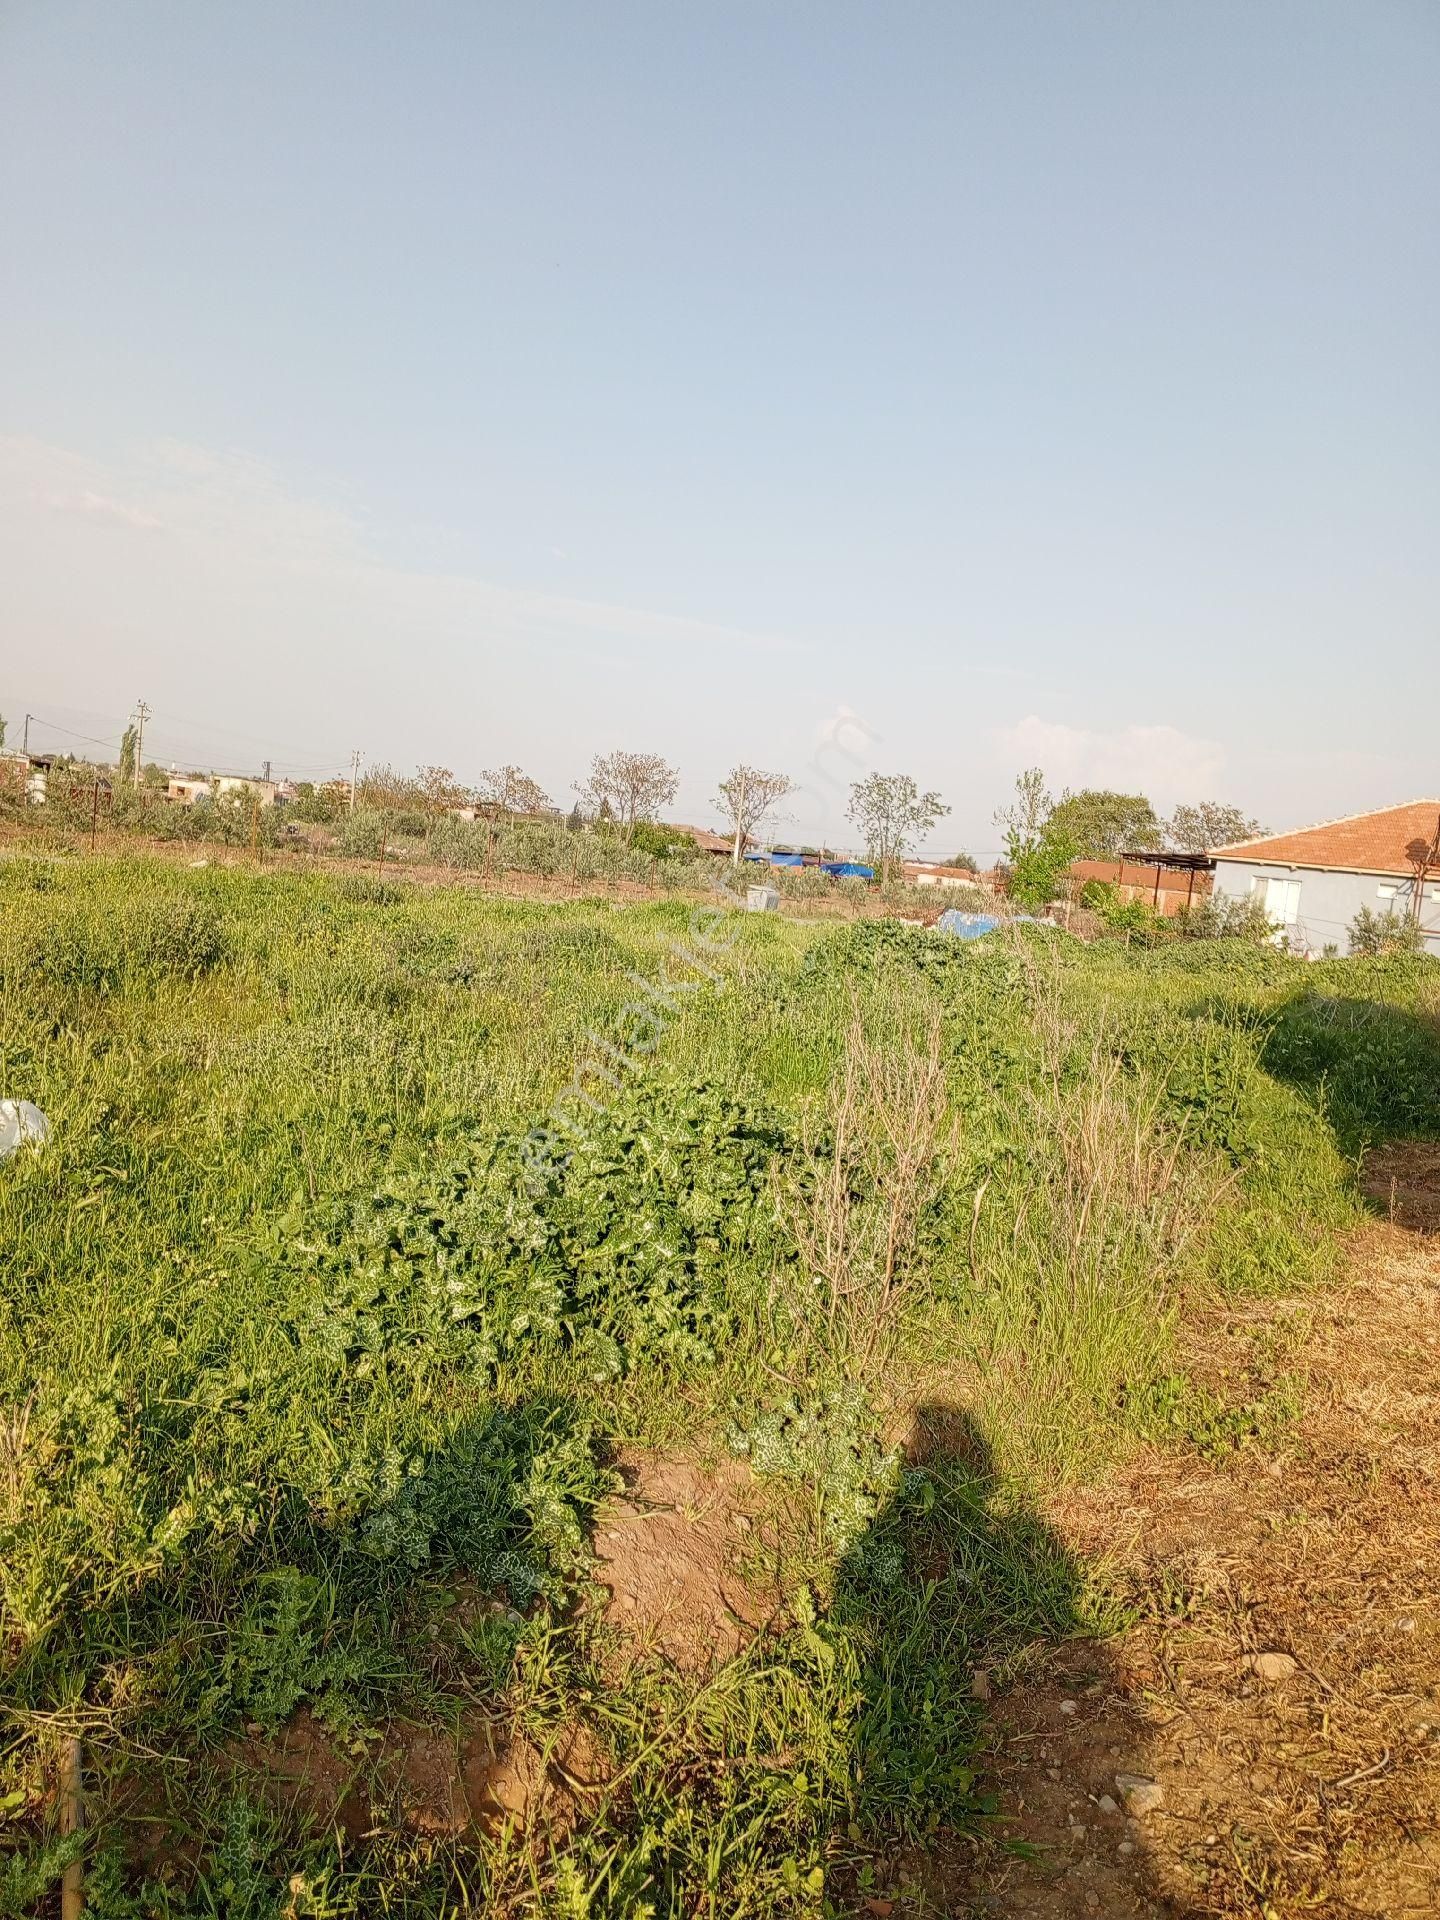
column 1360, row 843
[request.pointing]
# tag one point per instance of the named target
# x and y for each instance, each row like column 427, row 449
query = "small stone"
column 1406, row 1624
column 1068, row 1706
column 1106, row 1804
column 1127, row 1847
column 741, row 1522
column 1052, row 1773
column 1140, row 1795
column 1270, row 1667
column 980, row 1688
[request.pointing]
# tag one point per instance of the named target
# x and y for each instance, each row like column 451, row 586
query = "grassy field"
column 381, row 1226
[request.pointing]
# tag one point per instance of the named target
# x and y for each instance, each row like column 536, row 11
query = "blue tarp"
column 970, row 926
column 966, row 926
column 837, row 869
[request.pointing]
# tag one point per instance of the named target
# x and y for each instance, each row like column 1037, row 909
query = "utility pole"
column 25, row 743
column 142, row 714
column 354, row 775
column 1423, row 859
column 267, row 773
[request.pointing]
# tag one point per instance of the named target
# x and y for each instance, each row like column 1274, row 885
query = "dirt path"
column 1282, row 1689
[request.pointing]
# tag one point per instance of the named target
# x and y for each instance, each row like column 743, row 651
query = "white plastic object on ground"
column 21, row 1121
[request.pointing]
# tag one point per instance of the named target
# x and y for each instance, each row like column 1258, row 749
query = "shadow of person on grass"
column 981, row 1751
column 321, row 1689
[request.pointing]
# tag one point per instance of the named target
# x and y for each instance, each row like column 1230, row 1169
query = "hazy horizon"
column 971, row 387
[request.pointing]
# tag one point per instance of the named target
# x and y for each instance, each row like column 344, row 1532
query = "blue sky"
column 960, row 385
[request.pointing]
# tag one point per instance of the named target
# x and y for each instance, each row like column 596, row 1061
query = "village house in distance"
column 1312, row 882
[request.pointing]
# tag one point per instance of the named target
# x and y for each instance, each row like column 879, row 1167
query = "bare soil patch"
column 1404, row 1183
column 1282, row 1687
column 684, row 1554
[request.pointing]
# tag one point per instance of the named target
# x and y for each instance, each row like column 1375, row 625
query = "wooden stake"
column 72, row 1820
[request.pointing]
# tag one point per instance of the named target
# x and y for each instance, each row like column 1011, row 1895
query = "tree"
column 2, row 731
column 746, row 798
column 129, row 740
column 892, row 813
column 575, row 820
column 389, row 791
column 1036, row 853
column 1209, row 824
column 965, row 860
column 509, row 790
column 1374, row 933
column 1030, row 809
column 632, row 786
column 1038, row 866
column 1104, row 825
column 439, row 788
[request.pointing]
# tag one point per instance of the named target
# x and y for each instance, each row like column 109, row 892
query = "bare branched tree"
column 386, row 788
column 892, row 813
column 747, row 798
column 439, row 788
column 510, row 790
column 1024, row 819
column 632, row 786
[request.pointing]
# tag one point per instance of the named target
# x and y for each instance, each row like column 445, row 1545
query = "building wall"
column 1330, row 900
column 1132, row 880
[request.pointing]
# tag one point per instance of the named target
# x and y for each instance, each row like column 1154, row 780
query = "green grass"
column 295, row 1333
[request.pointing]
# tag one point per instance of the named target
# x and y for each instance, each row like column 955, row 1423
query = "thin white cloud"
column 1160, row 761
column 99, row 506
column 234, row 515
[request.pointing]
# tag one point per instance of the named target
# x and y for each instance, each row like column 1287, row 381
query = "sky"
column 938, row 389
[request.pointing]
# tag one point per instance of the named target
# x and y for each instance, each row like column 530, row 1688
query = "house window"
column 1387, row 893
column 1279, row 897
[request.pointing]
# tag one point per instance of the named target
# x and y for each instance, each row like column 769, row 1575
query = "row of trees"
column 625, row 790
column 629, row 791
column 1044, row 835
column 891, row 812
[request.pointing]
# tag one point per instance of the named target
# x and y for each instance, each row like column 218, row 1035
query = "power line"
column 204, row 727
column 55, row 727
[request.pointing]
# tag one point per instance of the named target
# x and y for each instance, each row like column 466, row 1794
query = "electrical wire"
column 36, row 720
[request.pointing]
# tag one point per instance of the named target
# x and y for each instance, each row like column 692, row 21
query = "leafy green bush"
column 1391, row 932
column 828, row 1447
